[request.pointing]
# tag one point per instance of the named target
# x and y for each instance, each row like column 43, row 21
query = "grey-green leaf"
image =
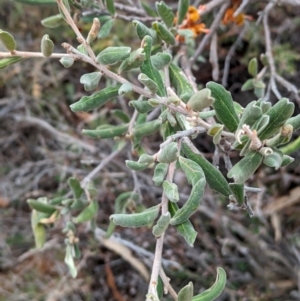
column 223, row 106
column 66, row 61
column 214, row 177
column 148, row 69
column 161, row 225
column 165, row 12
column 169, row 153
column 238, row 192
column 171, row 191
column 160, row 173
column 112, row 55
column 136, row 219
column 191, row 205
column 186, row 229
column 278, row 114
column 274, row 159
column 163, row 33
column 214, row 291
column 125, row 88
column 90, row 80
column 245, row 168
column 75, row 187
column 180, row 82
column 186, row 293
column 110, row 6
column 252, row 67
column 161, row 60
column 7, row 40
column 192, row 170
column 69, row 261
column 148, row 82
column 53, row 21
column 47, row 46
column 183, row 6
column 87, row 213
column 88, row 103
column 141, row 106
column 110, row 131
column 105, row 29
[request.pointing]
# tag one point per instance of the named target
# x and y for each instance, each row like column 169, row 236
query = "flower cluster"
column 192, row 23
column 229, row 14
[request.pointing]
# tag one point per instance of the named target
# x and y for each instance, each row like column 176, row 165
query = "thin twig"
column 269, row 54
column 159, row 243
column 241, row 7
column 231, row 53
column 213, row 57
column 26, row 54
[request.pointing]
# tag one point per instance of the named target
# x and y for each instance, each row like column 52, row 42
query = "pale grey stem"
column 189, row 132
column 212, row 30
column 74, row 27
column 213, row 57
column 211, row 5
column 26, row 54
column 159, row 243
column 241, row 7
column 269, row 54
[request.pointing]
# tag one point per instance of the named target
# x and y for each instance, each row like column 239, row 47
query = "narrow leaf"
column 161, row 60
column 278, row 114
column 183, row 6
column 87, row 213
column 90, row 80
column 180, row 82
column 47, row 46
column 216, row 290
column 164, row 33
column 186, row 293
column 88, row 103
column 53, row 21
column 160, row 173
column 105, row 29
column 191, row 169
column 238, row 192
column 111, row 55
column 110, row 131
column 125, row 88
column 141, row 106
column 171, row 191
column 186, row 229
column 136, row 219
column 67, row 61
column 191, row 205
column 110, row 6
column 69, row 261
column 214, row 177
column 41, row 205
column 245, row 168
column 9, row 61
column 165, row 12
column 169, row 153
column 148, row 69
column 7, row 40
column 223, row 106
column 75, row 187
column 161, row 225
